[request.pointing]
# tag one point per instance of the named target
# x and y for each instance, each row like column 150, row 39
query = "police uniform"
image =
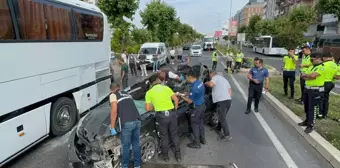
column 160, row 97
column 197, row 112
column 239, row 59
column 312, row 95
column 255, row 90
column 214, row 60
column 330, row 71
column 305, row 61
column 289, row 73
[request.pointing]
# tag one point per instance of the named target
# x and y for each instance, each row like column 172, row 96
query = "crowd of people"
column 318, row 73
column 132, row 61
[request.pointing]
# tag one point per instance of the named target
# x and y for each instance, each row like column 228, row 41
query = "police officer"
column 239, row 59
column 196, row 101
column 314, row 87
column 123, row 106
column 159, row 99
column 305, row 64
column 214, row 60
column 257, row 76
column 330, row 72
column 289, row 67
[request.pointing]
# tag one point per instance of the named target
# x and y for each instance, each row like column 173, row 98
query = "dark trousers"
column 214, row 65
column 238, row 65
column 302, row 87
column 325, row 98
column 254, row 92
column 229, row 63
column 196, row 120
column 179, row 57
column 222, row 109
column 288, row 77
column 133, row 69
column 167, row 127
column 130, row 136
column 312, row 100
column 125, row 82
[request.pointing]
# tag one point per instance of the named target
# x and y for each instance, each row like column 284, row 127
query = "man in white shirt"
column 165, row 75
column 172, row 56
column 124, row 56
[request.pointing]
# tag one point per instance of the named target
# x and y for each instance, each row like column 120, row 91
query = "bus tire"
column 63, row 116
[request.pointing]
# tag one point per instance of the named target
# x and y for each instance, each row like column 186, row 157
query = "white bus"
column 53, row 67
column 266, row 45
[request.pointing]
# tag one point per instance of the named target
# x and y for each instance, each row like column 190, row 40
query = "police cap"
column 305, row 46
column 316, row 55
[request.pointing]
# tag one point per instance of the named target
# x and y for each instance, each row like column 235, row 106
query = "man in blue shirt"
column 196, row 101
column 257, row 76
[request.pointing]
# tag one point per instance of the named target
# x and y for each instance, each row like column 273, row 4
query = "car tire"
column 214, row 119
column 148, row 148
column 63, row 116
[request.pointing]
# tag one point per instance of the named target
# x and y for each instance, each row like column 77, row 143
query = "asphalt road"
column 261, row 140
column 276, row 62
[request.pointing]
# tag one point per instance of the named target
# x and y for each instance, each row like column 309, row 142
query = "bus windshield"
column 148, row 51
column 210, row 39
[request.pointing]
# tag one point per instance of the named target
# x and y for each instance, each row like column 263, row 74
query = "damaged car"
column 92, row 146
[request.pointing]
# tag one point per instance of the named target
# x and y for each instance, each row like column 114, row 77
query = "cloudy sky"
column 202, row 14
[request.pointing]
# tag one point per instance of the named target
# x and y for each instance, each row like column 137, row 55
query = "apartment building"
column 269, row 9
column 283, row 7
column 248, row 11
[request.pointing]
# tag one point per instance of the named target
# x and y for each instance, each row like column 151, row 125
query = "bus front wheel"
column 63, row 116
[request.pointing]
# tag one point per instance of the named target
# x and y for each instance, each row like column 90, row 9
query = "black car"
column 91, row 145
column 187, row 47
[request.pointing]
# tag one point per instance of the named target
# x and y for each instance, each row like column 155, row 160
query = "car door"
column 183, row 120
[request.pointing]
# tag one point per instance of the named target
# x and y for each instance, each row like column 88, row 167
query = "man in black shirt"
column 129, row 122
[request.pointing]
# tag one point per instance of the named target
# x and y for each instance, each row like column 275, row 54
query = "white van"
column 152, row 50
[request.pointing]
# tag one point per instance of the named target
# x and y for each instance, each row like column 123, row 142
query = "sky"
column 201, row 14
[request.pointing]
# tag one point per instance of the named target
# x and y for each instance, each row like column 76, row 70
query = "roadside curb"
column 326, row 149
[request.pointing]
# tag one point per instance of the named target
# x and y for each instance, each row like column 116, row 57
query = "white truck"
column 209, row 43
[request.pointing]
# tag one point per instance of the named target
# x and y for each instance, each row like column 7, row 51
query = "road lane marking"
column 279, row 147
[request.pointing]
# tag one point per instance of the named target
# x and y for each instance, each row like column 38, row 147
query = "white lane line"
column 279, row 147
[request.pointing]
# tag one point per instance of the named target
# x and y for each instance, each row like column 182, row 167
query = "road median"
column 326, row 137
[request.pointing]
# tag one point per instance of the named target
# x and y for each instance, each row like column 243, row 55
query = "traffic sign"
column 241, row 36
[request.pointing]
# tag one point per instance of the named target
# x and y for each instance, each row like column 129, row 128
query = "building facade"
column 248, row 11
column 283, row 7
column 269, row 9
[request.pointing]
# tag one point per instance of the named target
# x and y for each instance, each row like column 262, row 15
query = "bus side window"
column 43, row 21
column 6, row 25
column 89, row 27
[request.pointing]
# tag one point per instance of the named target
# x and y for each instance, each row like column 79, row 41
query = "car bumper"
column 73, row 159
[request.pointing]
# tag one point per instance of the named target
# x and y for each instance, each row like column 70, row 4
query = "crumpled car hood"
column 96, row 122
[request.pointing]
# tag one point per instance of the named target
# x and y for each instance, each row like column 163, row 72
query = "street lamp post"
column 231, row 4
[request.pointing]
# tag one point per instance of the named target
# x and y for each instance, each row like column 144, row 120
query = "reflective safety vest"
column 289, row 64
column 214, row 56
column 305, row 61
column 330, row 70
column 320, row 79
column 239, row 57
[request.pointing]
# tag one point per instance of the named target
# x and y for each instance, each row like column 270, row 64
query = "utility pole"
column 231, row 3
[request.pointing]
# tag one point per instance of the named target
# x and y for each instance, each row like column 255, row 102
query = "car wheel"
column 63, row 116
column 148, row 149
column 214, row 119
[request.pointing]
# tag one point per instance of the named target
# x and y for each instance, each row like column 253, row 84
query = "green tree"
column 330, row 7
column 160, row 18
column 252, row 32
column 291, row 32
column 117, row 9
column 242, row 29
column 141, row 36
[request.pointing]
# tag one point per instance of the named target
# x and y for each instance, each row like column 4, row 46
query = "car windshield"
column 148, row 51
column 196, row 47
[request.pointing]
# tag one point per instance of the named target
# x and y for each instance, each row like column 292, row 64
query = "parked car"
column 196, row 50
column 92, row 146
column 187, row 47
column 154, row 50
